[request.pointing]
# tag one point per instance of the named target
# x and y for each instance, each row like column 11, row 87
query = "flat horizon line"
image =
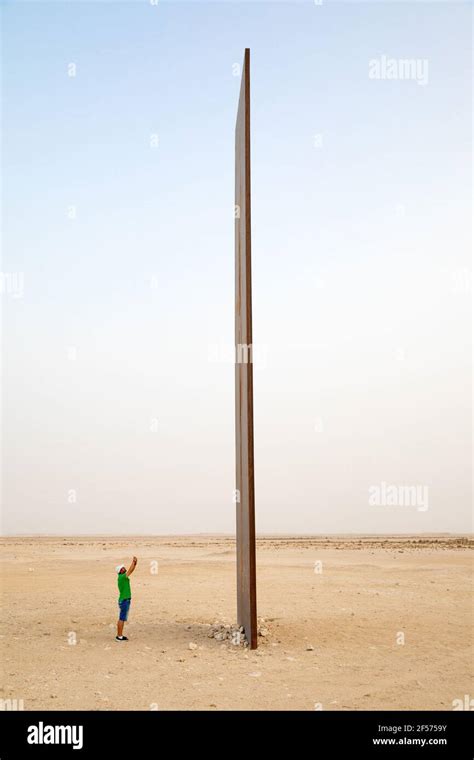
column 259, row 536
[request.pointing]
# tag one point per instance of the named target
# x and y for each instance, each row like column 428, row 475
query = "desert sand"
column 349, row 623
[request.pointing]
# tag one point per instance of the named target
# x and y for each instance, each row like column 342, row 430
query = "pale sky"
column 118, row 399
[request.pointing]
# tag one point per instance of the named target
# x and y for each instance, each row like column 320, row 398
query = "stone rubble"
column 233, row 633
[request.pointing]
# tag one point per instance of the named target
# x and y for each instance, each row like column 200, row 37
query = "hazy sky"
column 118, row 395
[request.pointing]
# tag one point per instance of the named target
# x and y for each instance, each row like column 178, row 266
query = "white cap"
column 118, row 568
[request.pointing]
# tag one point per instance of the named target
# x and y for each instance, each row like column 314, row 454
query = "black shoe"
column 121, row 638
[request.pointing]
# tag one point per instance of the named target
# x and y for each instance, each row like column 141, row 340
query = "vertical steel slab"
column 245, row 493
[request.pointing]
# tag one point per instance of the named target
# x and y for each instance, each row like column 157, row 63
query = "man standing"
column 125, row 596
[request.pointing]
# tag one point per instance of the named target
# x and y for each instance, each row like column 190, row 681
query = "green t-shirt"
column 124, row 587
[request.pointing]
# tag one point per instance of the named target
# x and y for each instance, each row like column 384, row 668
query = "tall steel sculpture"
column 245, row 491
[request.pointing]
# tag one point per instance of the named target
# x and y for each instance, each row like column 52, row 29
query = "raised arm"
column 132, row 566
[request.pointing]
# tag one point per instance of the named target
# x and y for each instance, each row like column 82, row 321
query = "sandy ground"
column 370, row 594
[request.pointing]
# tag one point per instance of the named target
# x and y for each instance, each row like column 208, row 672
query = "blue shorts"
column 124, row 606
